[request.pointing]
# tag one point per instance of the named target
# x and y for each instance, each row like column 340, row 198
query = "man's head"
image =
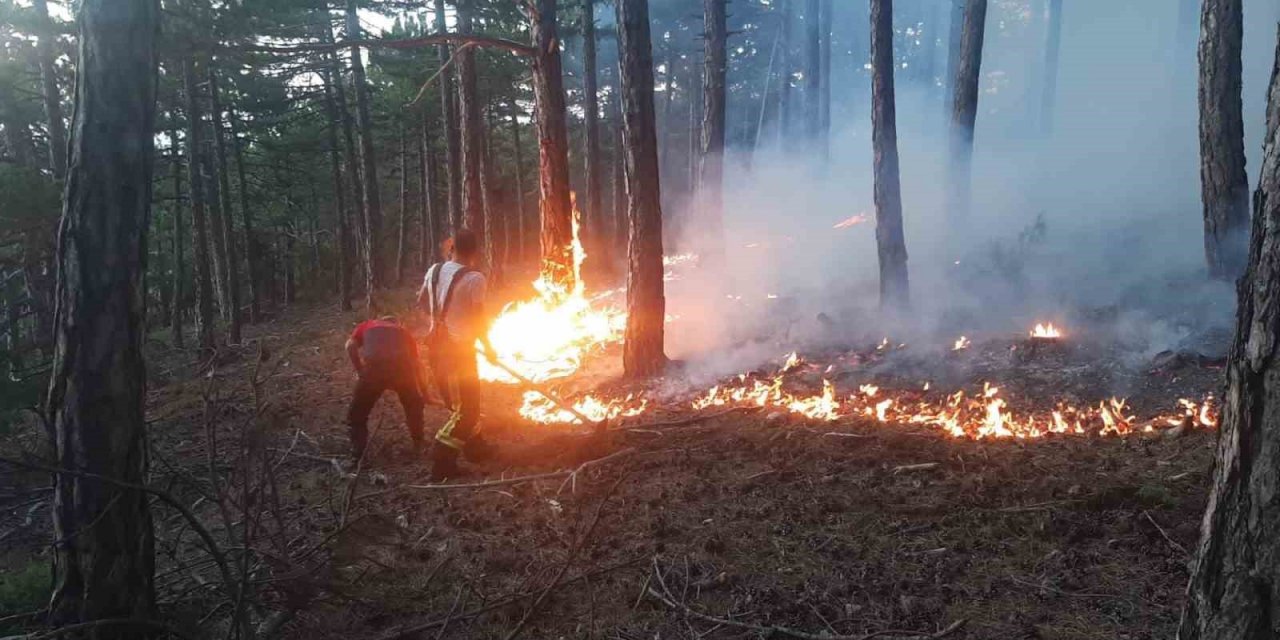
column 466, row 247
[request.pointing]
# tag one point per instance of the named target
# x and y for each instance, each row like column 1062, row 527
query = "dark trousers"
column 374, row 380
column 454, row 370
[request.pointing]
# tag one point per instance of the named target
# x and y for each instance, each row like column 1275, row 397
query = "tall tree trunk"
column 345, row 257
column 432, row 212
column 555, row 210
column 953, row 52
column 1233, row 590
column 289, row 260
column 214, row 200
column 666, row 134
column 964, row 110
column 495, row 249
column 596, row 239
column 231, row 258
column 1223, row 182
column 369, row 164
column 204, row 275
column 179, row 262
column 45, row 55
column 642, row 351
column 824, row 90
column 349, row 146
column 710, row 179
column 104, row 557
column 402, row 233
column 891, row 244
column 452, row 135
column 472, row 157
column 693, row 150
column 251, row 245
column 621, row 221
column 522, row 217
column 1052, row 49
column 812, row 67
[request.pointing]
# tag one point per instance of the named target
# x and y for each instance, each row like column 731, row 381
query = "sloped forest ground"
column 708, row 525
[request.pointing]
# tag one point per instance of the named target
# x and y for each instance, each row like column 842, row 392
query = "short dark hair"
column 465, row 243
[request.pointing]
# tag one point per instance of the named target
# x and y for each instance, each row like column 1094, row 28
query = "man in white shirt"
column 453, row 294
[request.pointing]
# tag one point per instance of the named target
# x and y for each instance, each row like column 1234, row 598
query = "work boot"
column 444, row 463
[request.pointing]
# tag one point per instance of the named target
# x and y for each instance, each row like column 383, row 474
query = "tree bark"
column 452, row 135
column 642, row 352
column 369, row 164
column 252, row 248
column 595, row 238
column 472, row 142
column 1052, row 51
column 345, row 257
column 891, row 245
column 432, row 212
column 621, row 223
column 349, row 146
column 1223, row 182
column 953, row 51
column 495, row 231
column 402, row 234
column 230, row 258
column 964, row 109
column 522, row 232
column 812, row 67
column 711, row 171
column 214, row 201
column 176, row 308
column 49, row 84
column 104, row 556
column 555, row 209
column 204, row 275
column 1233, row 589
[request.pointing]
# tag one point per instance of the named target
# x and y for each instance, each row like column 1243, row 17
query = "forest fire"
column 548, row 336
column 537, row 408
column 1046, row 332
column 960, row 344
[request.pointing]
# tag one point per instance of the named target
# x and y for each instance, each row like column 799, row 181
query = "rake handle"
column 545, row 393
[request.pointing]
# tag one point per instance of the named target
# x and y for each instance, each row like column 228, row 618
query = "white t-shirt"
column 465, row 316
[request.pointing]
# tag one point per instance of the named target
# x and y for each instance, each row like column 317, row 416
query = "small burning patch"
column 1046, row 332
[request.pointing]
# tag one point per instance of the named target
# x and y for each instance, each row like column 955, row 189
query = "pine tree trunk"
column 402, row 234
column 251, row 244
column 596, row 238
column 523, row 241
column 429, row 229
column 953, row 52
column 1233, row 590
column 555, row 210
column 374, row 272
column 891, row 244
column 711, row 172
column 49, row 85
column 452, row 134
column 1051, row 55
column 812, row 66
column 642, row 351
column 495, row 249
column 345, row 256
column 1223, row 182
column 472, row 142
column 104, row 557
column 209, row 174
column 694, row 147
column 621, row 221
column 964, row 110
column 231, row 258
column 179, row 295
column 204, row 275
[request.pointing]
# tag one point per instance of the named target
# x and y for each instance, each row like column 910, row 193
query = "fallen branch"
column 521, row 479
column 907, row 468
column 1181, row 549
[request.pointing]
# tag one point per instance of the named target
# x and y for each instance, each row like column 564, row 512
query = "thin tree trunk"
column 812, row 67
column 1233, row 590
column 429, row 229
column 668, row 98
column 621, row 222
column 175, row 310
column 964, row 110
column 231, row 259
column 214, row 200
column 104, row 557
column 12, row 325
column 402, row 246
column 251, row 245
column 289, row 260
column 496, row 247
column 49, row 85
column 204, row 275
column 472, row 146
column 596, row 238
column 1052, row 49
column 892, row 246
column 556, row 212
column 369, row 164
column 345, row 257
column 349, row 146
column 1223, row 183
column 452, row 135
column 521, row 216
column 694, row 146
column 642, row 352
column 710, row 179
column 953, row 52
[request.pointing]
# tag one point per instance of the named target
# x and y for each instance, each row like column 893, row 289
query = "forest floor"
column 845, row 527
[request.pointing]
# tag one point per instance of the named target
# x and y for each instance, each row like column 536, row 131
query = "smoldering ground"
column 1093, row 222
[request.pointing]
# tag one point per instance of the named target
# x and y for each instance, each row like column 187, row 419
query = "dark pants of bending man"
column 374, row 380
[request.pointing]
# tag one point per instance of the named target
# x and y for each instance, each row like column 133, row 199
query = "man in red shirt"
column 385, row 357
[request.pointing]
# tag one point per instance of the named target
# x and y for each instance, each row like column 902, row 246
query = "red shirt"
column 410, row 345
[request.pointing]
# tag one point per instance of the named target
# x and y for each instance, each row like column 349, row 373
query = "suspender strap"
column 440, row 314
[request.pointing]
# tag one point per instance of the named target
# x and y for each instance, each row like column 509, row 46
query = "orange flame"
column 852, row 220
column 1046, row 331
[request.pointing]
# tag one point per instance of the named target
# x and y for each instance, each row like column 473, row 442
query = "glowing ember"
column 962, row 343
column 1046, row 331
column 548, row 336
column 536, row 408
column 855, row 219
